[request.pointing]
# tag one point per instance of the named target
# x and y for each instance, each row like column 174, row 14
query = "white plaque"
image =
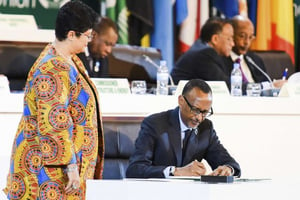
column 217, row 87
column 112, row 85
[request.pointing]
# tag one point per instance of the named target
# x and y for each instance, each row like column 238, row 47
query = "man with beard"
column 174, row 142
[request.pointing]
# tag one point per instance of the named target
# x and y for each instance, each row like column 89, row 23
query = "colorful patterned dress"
column 61, row 124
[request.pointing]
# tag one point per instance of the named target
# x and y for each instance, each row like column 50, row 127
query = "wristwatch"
column 172, row 171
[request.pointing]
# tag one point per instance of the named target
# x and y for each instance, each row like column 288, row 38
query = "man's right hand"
column 195, row 168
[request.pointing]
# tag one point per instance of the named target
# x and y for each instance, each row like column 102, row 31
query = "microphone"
column 250, row 60
column 274, row 91
column 148, row 59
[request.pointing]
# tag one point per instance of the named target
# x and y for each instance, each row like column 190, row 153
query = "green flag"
column 117, row 11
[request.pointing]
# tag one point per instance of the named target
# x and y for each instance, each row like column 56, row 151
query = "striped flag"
column 275, row 26
column 117, row 11
column 198, row 13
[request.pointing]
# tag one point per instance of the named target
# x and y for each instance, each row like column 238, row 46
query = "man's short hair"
column 196, row 83
column 213, row 25
column 103, row 23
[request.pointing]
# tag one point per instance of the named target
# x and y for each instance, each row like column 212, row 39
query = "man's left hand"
column 222, row 171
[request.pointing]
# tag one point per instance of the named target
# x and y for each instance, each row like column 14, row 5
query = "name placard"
column 112, row 85
column 290, row 90
column 9, row 21
column 217, row 87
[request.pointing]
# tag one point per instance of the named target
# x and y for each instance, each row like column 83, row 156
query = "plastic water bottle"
column 236, row 80
column 162, row 78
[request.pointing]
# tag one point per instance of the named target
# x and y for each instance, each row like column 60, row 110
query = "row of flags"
column 173, row 25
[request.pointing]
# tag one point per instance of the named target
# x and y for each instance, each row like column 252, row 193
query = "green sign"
column 44, row 11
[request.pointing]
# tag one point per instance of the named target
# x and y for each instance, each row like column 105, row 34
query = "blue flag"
column 162, row 37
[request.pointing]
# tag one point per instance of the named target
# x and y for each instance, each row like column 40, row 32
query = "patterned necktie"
column 245, row 80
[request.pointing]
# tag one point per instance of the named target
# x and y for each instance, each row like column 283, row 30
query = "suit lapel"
column 175, row 136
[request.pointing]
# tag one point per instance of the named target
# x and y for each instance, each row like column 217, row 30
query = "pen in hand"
column 284, row 74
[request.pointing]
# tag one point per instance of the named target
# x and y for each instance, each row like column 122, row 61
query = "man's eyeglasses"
column 89, row 37
column 197, row 111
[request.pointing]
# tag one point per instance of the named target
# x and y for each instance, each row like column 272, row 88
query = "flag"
column 252, row 8
column 190, row 28
column 275, row 26
column 117, row 11
column 140, row 20
column 181, row 11
column 162, row 37
column 229, row 8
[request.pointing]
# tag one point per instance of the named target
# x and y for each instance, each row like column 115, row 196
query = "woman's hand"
column 74, row 180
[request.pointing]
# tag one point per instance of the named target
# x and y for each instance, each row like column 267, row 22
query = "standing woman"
column 59, row 142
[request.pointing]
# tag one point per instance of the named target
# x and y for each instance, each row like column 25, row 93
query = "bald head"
column 243, row 34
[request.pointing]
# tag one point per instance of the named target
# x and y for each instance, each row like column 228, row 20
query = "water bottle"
column 236, row 80
column 162, row 79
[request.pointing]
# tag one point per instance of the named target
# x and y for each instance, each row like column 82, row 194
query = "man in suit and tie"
column 105, row 36
column 174, row 142
column 204, row 59
column 243, row 37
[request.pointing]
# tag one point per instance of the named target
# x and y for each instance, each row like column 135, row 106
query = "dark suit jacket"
column 103, row 69
column 258, row 77
column 159, row 145
column 203, row 62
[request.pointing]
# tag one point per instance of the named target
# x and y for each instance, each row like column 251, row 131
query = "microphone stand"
column 157, row 67
column 250, row 60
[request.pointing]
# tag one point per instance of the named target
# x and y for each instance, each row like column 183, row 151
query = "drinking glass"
column 253, row 89
column 138, row 87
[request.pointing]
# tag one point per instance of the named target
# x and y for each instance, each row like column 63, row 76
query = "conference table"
column 149, row 189
column 261, row 133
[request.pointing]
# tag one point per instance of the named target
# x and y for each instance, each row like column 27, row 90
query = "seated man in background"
column 105, row 36
column 204, row 59
column 173, row 143
column 243, row 37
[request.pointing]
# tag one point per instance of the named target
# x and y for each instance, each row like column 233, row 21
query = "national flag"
column 140, row 20
column 198, row 13
column 162, row 37
column 252, row 10
column 229, row 8
column 117, row 11
column 275, row 26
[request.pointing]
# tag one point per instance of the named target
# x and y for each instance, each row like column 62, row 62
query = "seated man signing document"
column 174, row 142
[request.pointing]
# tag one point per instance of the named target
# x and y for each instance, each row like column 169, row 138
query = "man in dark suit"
column 204, row 59
column 173, row 143
column 243, row 37
column 105, row 36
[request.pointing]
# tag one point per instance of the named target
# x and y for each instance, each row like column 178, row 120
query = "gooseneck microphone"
column 250, row 60
column 157, row 67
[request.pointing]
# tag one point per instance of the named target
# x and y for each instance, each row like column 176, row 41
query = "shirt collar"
column 183, row 127
column 234, row 56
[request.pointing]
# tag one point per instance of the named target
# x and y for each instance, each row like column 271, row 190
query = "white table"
column 179, row 190
column 261, row 133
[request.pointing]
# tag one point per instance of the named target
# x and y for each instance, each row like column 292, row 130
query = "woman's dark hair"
column 74, row 16
column 196, row 83
column 212, row 26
